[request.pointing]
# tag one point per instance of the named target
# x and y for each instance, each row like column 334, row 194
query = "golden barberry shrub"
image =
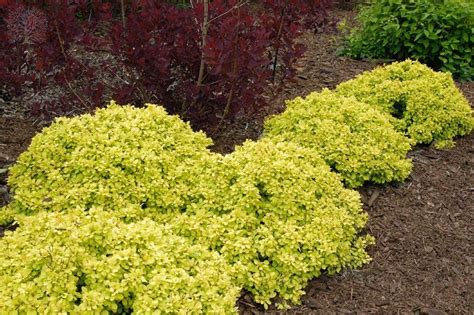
column 355, row 139
column 282, row 217
column 425, row 104
column 127, row 209
column 92, row 262
column 117, row 156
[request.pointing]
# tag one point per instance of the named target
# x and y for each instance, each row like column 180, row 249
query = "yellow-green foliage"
column 127, row 209
column 118, row 156
column 357, row 140
column 425, row 104
column 282, row 215
column 88, row 263
column 303, row 219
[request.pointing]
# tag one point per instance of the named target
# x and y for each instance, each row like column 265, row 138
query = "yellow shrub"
column 127, row 209
column 117, row 156
column 357, row 140
column 286, row 217
column 306, row 221
column 425, row 104
column 88, row 263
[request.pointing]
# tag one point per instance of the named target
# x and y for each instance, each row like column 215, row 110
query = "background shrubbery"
column 365, row 128
column 439, row 33
column 206, row 60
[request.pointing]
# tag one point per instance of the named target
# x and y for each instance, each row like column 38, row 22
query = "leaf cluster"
column 114, row 157
column 439, row 33
column 93, row 262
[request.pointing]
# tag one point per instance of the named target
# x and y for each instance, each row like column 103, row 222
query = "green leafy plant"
column 439, row 33
column 354, row 138
column 424, row 104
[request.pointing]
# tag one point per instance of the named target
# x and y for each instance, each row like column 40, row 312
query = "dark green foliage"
column 439, row 33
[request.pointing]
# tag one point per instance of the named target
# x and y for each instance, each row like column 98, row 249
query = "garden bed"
column 422, row 261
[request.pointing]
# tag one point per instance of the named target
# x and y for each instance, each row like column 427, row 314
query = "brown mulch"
column 423, row 258
column 15, row 136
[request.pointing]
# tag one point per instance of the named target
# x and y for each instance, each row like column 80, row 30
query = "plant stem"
column 204, row 29
column 122, row 8
column 277, row 48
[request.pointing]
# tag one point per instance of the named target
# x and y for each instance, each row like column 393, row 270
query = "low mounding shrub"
column 354, row 138
column 425, row 104
column 128, row 210
column 117, row 156
column 439, row 33
column 284, row 216
column 88, row 263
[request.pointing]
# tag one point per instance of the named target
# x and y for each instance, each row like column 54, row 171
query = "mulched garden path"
column 423, row 258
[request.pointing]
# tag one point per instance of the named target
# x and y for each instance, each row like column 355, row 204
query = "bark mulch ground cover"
column 423, row 258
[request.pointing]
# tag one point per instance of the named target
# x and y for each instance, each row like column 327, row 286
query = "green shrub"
column 117, row 156
column 425, row 104
column 355, row 139
column 439, row 33
column 88, row 263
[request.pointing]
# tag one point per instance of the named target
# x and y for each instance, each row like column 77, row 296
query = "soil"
column 423, row 258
